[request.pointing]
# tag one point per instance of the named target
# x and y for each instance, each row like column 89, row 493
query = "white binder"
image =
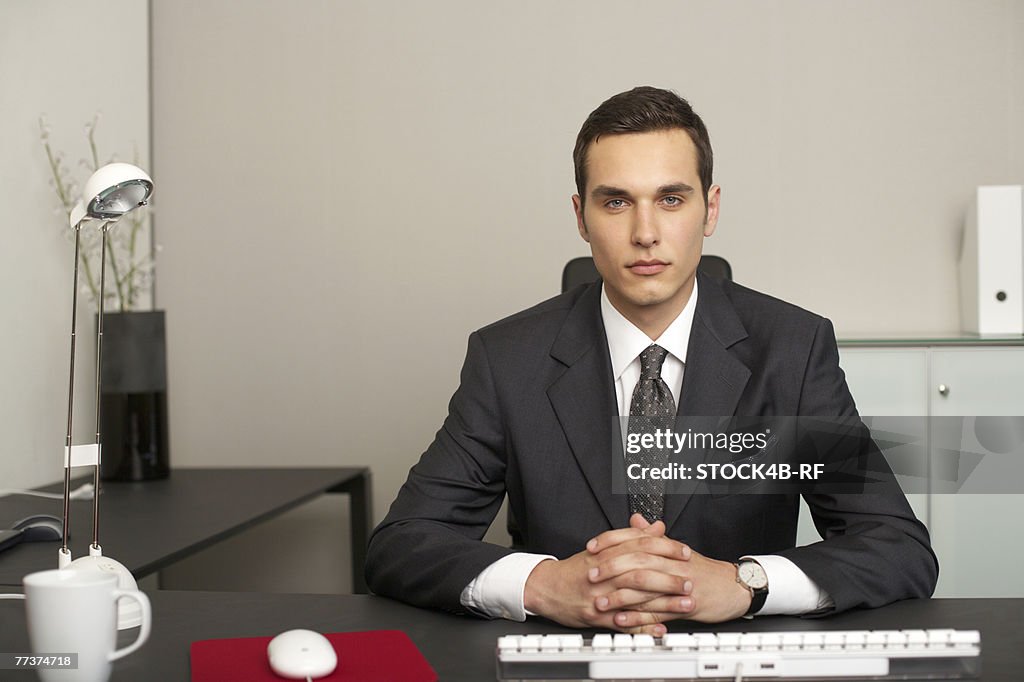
column 992, row 262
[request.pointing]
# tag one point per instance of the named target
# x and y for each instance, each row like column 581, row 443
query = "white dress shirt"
column 498, row 590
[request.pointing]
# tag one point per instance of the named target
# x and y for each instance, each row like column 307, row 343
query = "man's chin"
column 647, row 299
column 651, row 296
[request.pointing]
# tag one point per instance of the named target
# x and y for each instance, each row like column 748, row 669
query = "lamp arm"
column 71, row 390
column 105, row 229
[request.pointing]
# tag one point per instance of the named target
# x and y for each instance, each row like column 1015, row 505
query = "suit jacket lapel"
column 714, row 378
column 583, row 399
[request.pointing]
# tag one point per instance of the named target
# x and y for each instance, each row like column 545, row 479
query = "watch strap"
column 758, row 595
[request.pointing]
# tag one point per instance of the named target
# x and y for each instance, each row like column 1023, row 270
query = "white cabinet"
column 977, row 537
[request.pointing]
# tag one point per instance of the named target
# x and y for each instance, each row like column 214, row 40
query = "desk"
column 462, row 648
column 149, row 525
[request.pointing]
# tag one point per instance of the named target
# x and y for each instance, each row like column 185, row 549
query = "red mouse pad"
column 384, row 655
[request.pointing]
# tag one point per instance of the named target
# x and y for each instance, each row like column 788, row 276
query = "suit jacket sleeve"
column 429, row 546
column 875, row 551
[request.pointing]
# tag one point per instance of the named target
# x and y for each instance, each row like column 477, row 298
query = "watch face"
column 752, row 574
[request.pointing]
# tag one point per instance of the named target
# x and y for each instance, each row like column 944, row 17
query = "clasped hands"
column 635, row 579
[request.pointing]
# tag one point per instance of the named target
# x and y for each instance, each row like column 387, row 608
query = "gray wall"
column 347, row 189
column 52, row 63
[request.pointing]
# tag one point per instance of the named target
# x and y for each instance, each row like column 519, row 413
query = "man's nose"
column 645, row 228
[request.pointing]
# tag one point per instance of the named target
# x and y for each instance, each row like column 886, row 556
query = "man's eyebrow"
column 609, row 191
column 676, row 188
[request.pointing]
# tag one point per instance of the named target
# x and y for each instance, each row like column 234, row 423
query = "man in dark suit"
column 535, row 412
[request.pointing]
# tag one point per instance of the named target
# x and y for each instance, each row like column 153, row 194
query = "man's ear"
column 577, row 207
column 714, row 200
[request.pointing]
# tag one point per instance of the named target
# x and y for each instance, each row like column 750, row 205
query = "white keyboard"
column 852, row 654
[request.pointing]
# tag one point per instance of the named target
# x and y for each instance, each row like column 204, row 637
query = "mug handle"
column 147, row 614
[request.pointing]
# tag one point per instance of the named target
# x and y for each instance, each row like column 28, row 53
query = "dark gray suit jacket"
column 533, row 418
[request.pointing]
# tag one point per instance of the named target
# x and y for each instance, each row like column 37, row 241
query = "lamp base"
column 129, row 614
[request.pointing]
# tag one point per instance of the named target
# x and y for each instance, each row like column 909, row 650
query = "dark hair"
column 641, row 110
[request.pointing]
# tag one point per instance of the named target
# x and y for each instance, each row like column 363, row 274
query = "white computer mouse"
column 298, row 654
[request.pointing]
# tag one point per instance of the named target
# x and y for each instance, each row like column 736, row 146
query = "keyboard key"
column 856, row 640
column 728, row 641
column 834, row 641
column 916, row 639
column 571, row 643
column 550, row 644
column 895, row 638
column 508, row 643
column 875, row 640
column 792, row 641
column 623, row 642
column 530, row 643
column 750, row 641
column 939, row 638
column 706, row 641
column 679, row 641
column 643, row 642
column 602, row 642
column 814, row 640
column 962, row 637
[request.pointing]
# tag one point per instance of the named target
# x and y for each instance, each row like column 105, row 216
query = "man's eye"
column 615, row 203
column 673, row 201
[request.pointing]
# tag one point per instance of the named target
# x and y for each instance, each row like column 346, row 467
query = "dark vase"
column 133, row 410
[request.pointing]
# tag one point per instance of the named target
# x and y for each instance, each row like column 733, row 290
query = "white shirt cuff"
column 790, row 591
column 498, row 591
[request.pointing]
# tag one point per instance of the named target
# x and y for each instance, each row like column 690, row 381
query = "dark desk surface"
column 151, row 524
column 462, row 648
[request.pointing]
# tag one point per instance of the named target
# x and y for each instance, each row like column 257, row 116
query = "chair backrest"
column 582, row 271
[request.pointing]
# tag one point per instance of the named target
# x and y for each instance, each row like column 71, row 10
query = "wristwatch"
column 751, row 575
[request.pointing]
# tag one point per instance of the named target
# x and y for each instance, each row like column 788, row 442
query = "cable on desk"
column 82, row 492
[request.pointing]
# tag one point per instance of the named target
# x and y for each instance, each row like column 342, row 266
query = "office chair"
column 582, row 271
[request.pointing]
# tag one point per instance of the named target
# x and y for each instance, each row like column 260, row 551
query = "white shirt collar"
column 626, row 341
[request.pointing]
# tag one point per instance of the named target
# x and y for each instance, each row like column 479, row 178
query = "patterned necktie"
column 652, row 408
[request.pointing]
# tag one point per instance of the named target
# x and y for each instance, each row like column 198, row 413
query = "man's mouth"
column 647, row 267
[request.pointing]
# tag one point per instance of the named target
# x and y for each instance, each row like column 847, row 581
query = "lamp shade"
column 116, row 189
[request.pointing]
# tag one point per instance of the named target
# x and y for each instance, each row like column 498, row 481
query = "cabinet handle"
column 943, row 390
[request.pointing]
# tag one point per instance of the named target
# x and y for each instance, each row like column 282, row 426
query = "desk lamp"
column 111, row 192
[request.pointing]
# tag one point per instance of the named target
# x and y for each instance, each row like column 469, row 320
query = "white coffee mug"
column 74, row 611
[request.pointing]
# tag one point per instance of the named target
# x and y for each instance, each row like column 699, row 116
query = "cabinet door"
column 978, row 542
column 884, row 382
column 977, row 381
column 887, row 381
